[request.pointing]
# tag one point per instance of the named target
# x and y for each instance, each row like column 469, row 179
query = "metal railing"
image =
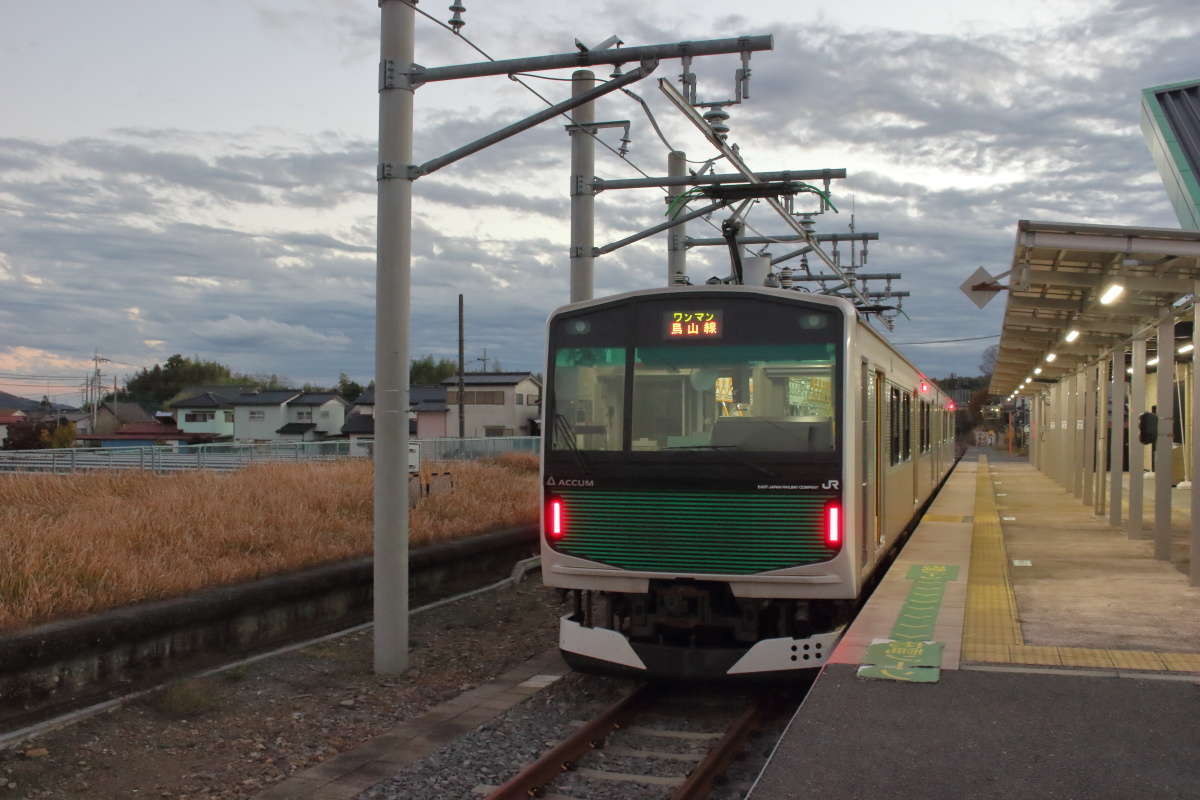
column 235, row 456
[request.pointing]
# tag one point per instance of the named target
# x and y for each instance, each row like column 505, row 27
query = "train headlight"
column 555, row 519
column 833, row 525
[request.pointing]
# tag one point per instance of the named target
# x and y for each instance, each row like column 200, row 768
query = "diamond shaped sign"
column 980, row 297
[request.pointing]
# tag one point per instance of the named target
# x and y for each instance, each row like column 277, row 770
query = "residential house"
column 206, row 412
column 258, row 415
column 496, row 404
column 9, row 416
column 426, row 417
column 113, row 415
column 144, row 434
column 313, row 416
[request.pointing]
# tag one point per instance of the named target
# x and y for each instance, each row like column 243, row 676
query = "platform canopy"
column 1059, row 273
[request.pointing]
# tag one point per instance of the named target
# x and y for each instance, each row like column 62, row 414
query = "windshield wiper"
column 732, row 449
column 563, row 427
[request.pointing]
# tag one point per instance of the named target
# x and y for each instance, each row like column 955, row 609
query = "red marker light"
column 950, row 406
column 555, row 527
column 924, row 387
column 833, row 525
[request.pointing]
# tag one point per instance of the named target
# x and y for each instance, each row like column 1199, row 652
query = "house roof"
column 10, row 419
column 148, row 431
column 11, row 412
column 491, row 379
column 226, row 390
column 204, row 400
column 421, row 397
column 359, row 423
column 316, row 399
column 297, row 427
column 271, row 398
column 128, row 412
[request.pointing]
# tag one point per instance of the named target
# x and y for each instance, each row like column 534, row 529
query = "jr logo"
column 831, row 484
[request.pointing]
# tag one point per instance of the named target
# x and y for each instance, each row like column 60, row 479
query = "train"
column 725, row 470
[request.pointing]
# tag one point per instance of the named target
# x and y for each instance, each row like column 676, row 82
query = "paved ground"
column 979, row 735
column 1077, row 676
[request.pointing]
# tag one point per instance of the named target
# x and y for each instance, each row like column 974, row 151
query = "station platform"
column 1068, row 665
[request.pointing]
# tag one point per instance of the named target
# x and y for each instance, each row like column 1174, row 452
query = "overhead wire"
column 948, row 341
column 515, row 78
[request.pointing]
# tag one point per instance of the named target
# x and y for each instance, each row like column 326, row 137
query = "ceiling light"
column 1051, row 356
column 1187, row 348
column 1111, row 294
column 1129, row 370
column 1072, row 335
column 1037, row 370
column 1152, row 362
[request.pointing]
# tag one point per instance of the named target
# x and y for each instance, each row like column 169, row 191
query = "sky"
column 198, row 178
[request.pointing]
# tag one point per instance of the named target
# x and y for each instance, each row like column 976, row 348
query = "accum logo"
column 570, row 482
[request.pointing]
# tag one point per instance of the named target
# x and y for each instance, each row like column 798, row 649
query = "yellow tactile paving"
column 991, row 632
column 1181, row 662
column 944, row 518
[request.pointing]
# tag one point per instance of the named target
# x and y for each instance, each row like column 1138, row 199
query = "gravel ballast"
column 233, row 734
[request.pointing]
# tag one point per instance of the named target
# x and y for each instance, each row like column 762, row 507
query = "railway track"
column 655, row 742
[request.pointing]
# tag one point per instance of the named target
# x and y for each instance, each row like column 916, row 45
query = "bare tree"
column 987, row 362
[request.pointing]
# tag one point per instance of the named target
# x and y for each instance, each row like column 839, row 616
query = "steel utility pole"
column 583, row 199
column 399, row 77
column 462, row 420
column 393, row 281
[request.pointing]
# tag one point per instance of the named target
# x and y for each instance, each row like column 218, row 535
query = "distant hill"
column 25, row 404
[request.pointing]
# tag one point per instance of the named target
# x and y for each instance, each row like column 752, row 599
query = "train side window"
column 906, row 423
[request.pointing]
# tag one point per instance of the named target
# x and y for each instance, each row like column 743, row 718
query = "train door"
column 868, row 470
column 877, row 504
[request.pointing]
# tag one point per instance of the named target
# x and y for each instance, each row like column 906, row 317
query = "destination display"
column 693, row 325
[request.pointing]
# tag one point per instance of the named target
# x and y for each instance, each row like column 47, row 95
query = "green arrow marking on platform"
column 917, row 675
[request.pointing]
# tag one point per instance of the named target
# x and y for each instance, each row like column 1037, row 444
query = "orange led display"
column 692, row 325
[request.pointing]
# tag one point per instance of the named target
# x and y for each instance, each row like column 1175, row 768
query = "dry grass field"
column 75, row 544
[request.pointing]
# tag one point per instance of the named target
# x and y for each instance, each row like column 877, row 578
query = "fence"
column 235, row 456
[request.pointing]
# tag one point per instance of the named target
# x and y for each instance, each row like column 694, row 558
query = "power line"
column 947, row 341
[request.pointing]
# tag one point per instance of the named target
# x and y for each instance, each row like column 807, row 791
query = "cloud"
column 235, row 333
column 256, row 247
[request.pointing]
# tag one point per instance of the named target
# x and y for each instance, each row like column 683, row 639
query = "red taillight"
column 554, row 521
column 833, row 526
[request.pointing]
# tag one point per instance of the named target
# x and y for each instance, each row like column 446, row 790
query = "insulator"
column 456, row 22
column 716, row 119
column 625, row 142
column 772, row 280
column 785, row 277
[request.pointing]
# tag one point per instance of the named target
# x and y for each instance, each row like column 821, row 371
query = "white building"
column 258, row 415
column 496, row 404
column 313, row 416
column 206, row 412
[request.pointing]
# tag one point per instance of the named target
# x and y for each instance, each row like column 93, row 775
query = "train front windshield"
column 692, row 378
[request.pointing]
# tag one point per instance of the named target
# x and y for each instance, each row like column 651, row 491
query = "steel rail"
column 562, row 757
column 700, row 780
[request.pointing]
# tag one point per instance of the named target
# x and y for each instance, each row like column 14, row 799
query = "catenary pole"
column 462, row 420
column 583, row 198
column 676, row 236
column 392, row 311
column 1137, row 450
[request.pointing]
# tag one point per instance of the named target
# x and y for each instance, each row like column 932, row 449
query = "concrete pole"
column 1192, row 442
column 1116, row 445
column 1090, row 455
column 1078, row 463
column 676, row 235
column 1137, row 450
column 583, row 198
column 462, row 394
column 1166, row 421
column 392, row 311
column 1102, row 397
